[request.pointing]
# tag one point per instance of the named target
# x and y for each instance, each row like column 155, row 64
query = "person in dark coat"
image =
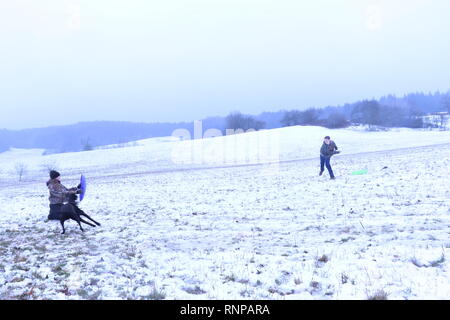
column 58, row 194
column 328, row 149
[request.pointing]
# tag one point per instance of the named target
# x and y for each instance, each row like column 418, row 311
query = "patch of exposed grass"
column 20, row 267
column 230, row 278
column 131, row 251
column 18, row 259
column 77, row 253
column 344, row 240
column 37, row 275
column 378, row 295
column 195, row 290
column 344, row 278
column 156, row 294
column 85, row 295
column 315, row 285
column 95, row 295
column 320, row 261
column 5, row 243
column 42, row 248
column 18, row 279
column 276, row 291
column 58, row 269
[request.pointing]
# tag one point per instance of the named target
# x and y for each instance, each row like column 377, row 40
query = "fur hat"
column 54, row 174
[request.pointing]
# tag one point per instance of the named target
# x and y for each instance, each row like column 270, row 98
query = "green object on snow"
column 360, row 172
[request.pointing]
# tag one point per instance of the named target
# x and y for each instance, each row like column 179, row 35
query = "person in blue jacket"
column 328, row 149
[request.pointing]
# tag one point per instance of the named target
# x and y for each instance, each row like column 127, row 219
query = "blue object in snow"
column 82, row 187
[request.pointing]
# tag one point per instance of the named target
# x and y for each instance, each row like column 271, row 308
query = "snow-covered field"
column 222, row 226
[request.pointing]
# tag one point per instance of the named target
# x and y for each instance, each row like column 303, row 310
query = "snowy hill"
column 243, row 216
column 291, row 143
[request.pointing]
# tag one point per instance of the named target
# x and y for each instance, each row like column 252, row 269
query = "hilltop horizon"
column 88, row 134
column 187, row 121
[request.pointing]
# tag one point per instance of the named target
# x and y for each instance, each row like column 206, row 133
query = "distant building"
column 437, row 120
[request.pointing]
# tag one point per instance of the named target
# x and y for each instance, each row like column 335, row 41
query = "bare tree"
column 336, row 120
column 237, row 121
column 309, row 116
column 291, row 118
column 20, row 169
column 296, row 117
column 366, row 112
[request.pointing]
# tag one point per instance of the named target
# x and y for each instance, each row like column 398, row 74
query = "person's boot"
column 332, row 178
column 321, row 172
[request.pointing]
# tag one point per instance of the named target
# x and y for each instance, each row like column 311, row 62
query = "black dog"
column 70, row 210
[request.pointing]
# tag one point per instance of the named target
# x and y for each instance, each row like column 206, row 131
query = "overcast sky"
column 64, row 61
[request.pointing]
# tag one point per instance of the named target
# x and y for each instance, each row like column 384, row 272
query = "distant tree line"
column 388, row 111
column 369, row 112
column 315, row 117
column 372, row 113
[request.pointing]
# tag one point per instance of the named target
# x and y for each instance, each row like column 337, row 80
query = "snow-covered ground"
column 220, row 224
column 165, row 154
